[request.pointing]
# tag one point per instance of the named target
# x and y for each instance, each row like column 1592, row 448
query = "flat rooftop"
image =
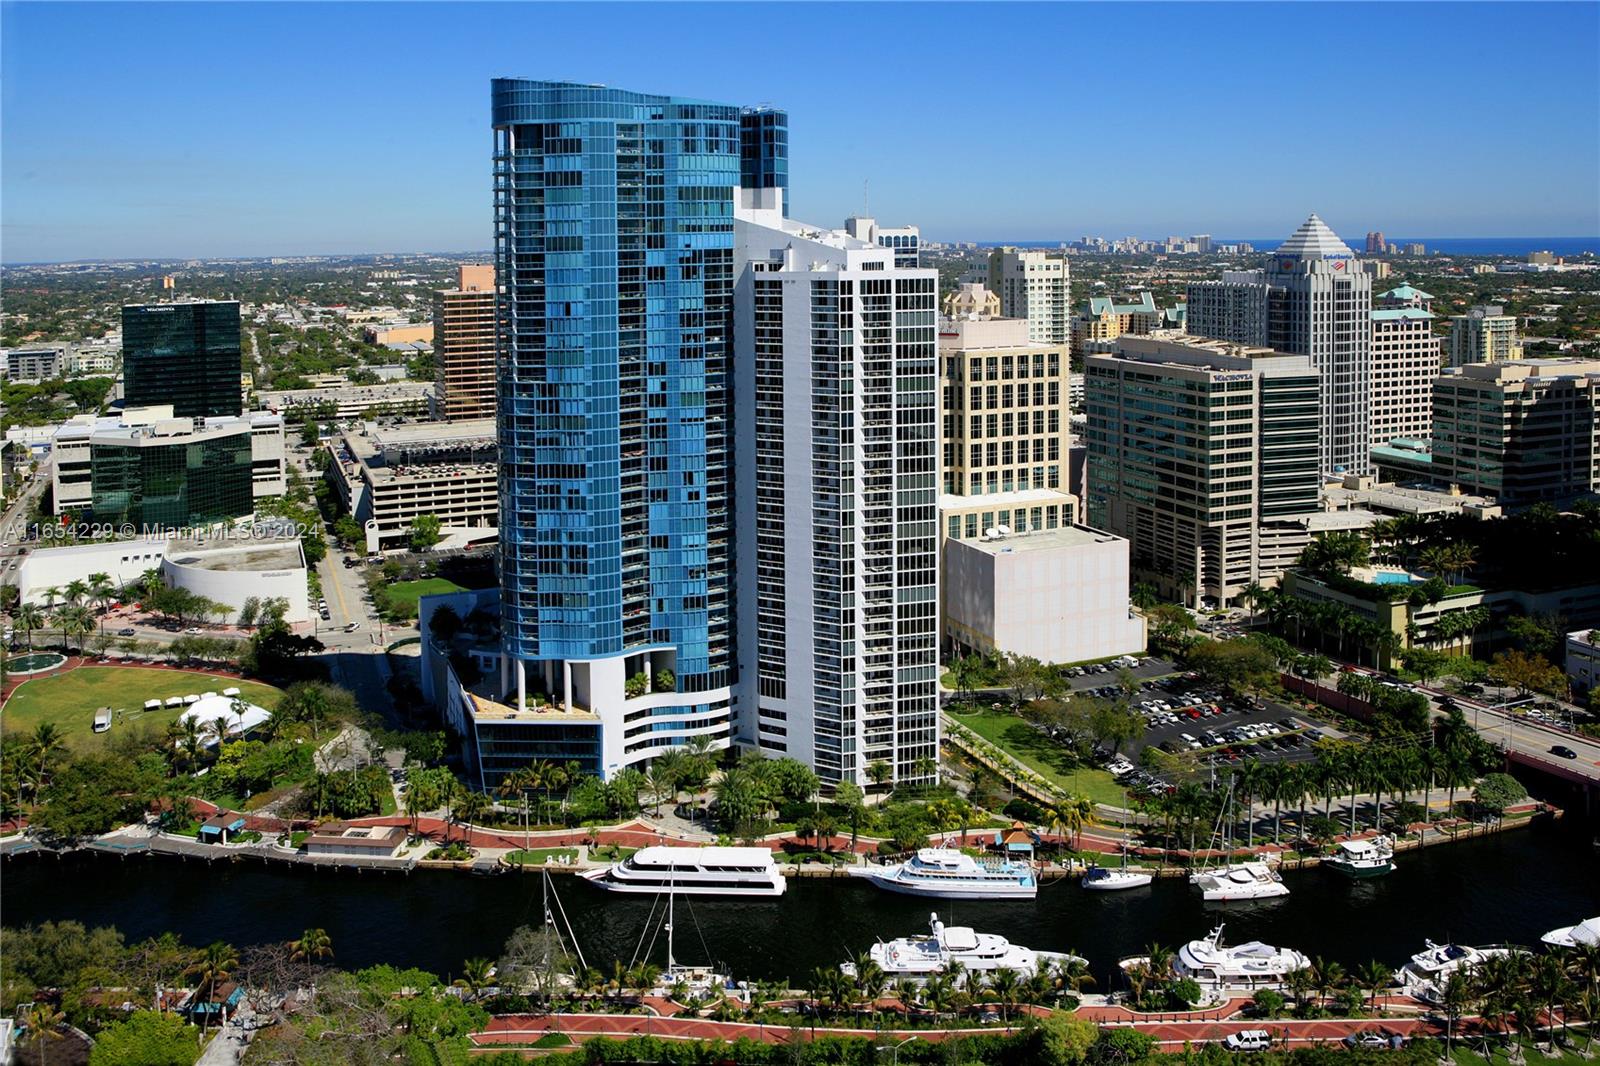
column 1044, row 540
column 282, row 556
column 487, row 710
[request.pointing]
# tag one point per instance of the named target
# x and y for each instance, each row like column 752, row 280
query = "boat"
column 1252, row 879
column 944, row 873
column 1240, row 880
column 1571, row 936
column 1363, row 858
column 1426, row 973
column 917, row 957
column 694, row 871
column 1242, row 967
column 1115, row 879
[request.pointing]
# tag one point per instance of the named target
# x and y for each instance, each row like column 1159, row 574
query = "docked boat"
column 1115, row 879
column 1240, row 880
column 1242, row 967
column 1571, row 936
column 1363, row 858
column 693, row 871
column 944, row 873
column 1426, row 973
column 918, row 957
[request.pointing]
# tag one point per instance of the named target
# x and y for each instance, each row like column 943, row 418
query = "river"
column 1509, row 888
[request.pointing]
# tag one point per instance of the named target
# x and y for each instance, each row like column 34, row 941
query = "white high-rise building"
column 1318, row 303
column 906, row 241
column 838, row 466
column 1035, row 285
column 1405, row 362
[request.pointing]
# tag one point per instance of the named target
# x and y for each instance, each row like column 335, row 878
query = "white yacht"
column 1242, row 967
column 1427, row 972
column 1571, row 936
column 693, row 871
column 1240, row 880
column 1363, row 858
column 921, row 956
column 944, row 873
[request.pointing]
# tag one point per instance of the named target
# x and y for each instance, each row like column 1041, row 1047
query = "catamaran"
column 707, row 871
column 918, row 957
column 1363, row 858
column 944, row 873
column 1252, row 879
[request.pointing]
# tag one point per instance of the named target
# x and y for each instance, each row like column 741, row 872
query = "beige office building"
column 463, row 346
column 1485, row 334
column 1405, row 361
column 1006, row 432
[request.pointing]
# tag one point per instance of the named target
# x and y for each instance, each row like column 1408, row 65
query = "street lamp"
column 895, row 1049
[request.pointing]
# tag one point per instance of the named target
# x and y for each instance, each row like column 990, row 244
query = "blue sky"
column 207, row 130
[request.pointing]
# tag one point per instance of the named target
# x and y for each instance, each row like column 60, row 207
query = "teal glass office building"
column 183, row 354
column 614, row 247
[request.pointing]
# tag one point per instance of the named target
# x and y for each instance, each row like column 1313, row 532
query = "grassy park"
column 69, row 700
column 1038, row 752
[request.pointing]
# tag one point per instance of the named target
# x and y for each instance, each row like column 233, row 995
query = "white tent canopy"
column 212, row 708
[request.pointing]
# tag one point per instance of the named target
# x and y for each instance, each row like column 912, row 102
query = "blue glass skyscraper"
column 614, row 246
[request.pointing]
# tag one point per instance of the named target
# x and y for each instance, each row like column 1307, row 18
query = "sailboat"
column 1104, row 879
column 700, row 980
column 1240, row 880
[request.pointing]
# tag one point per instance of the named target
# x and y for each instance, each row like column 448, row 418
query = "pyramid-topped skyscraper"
column 1312, row 298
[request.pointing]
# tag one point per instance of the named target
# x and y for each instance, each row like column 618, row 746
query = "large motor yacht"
column 691, row 871
column 1241, row 880
column 1426, row 973
column 920, row 956
column 944, row 873
column 1247, row 966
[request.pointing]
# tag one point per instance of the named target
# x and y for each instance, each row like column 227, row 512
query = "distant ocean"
column 1508, row 246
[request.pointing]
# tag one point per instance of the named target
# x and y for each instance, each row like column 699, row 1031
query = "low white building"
column 227, row 571
column 1059, row 595
column 1583, row 659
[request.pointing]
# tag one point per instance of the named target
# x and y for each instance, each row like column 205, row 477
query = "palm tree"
column 313, row 945
column 1004, row 983
column 1374, row 976
column 29, row 617
column 476, row 973
column 71, row 619
column 1456, row 998
column 101, row 593
column 76, row 592
column 469, row 807
column 1327, row 977
column 1069, row 815
column 1548, row 984
column 1255, row 594
column 44, row 1023
column 879, row 772
column 43, row 745
column 214, row 966
column 1300, row 982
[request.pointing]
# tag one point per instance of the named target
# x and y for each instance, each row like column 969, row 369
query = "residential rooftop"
column 1041, row 540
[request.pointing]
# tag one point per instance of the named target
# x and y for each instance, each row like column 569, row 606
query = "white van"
column 1248, row 1040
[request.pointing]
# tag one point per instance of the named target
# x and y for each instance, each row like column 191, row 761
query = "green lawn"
column 1038, row 752
column 537, row 856
column 407, row 593
column 69, row 700
column 1469, row 1053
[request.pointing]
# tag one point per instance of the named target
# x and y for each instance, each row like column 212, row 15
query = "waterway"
column 1509, row 888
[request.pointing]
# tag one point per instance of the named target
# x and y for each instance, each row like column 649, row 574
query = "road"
column 1533, row 741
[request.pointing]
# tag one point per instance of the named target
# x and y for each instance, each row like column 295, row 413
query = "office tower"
column 1317, row 302
column 185, row 355
column 838, row 512
column 1485, row 334
column 1007, row 435
column 1375, row 244
column 463, row 345
column 906, row 241
column 1405, row 360
column 1035, row 285
column 614, row 251
column 1523, row 432
column 1203, row 454
column 764, row 150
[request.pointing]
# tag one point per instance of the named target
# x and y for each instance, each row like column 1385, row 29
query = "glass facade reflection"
column 186, row 355
column 182, row 484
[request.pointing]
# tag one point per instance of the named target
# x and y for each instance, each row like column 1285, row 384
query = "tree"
column 43, row 1022
column 1527, row 673
column 29, row 617
column 879, row 772
column 214, row 966
column 1496, row 792
column 849, row 796
column 145, row 1038
column 475, row 976
column 424, row 532
column 314, row 945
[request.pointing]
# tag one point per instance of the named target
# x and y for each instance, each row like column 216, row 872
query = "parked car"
column 1248, row 1040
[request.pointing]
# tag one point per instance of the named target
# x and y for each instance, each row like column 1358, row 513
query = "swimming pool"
column 1393, row 577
